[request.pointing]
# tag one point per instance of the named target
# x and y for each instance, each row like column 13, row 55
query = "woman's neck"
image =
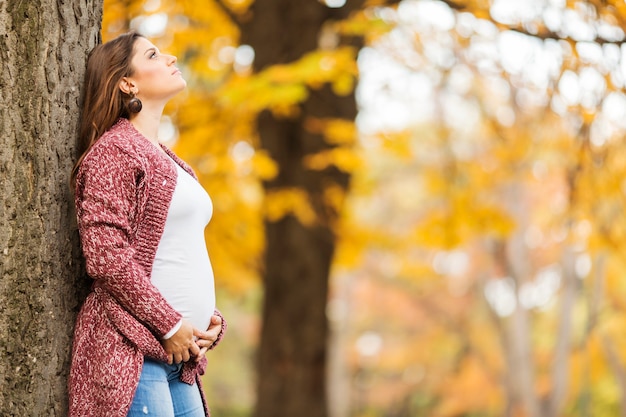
column 147, row 123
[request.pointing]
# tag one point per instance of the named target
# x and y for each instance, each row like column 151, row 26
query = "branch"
column 543, row 33
column 546, row 34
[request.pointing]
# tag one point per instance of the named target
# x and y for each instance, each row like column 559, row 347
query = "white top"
column 182, row 270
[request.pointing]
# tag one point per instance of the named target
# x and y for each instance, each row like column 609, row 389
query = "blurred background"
column 419, row 204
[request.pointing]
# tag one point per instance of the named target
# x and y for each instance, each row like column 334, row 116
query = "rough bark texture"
column 292, row 351
column 43, row 49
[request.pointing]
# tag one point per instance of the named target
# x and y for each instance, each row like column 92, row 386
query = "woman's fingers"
column 216, row 320
column 206, row 339
column 203, row 351
column 181, row 346
column 194, row 350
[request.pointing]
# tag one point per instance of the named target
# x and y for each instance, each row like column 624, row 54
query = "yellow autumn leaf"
column 346, row 159
column 264, row 166
column 289, row 201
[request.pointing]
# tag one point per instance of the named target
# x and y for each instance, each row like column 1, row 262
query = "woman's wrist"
column 173, row 331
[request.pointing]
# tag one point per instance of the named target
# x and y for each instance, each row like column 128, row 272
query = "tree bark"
column 292, row 349
column 43, row 50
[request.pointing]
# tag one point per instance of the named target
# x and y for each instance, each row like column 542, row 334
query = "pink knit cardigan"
column 123, row 190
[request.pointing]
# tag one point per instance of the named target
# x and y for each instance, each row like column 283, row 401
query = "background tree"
column 43, row 49
column 298, row 252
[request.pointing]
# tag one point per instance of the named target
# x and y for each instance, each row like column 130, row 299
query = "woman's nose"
column 172, row 59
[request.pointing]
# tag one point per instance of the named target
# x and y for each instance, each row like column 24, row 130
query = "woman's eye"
column 153, row 55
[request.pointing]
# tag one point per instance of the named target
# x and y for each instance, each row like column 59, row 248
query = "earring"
column 134, row 105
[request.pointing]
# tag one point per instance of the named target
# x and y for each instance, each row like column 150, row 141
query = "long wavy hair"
column 103, row 101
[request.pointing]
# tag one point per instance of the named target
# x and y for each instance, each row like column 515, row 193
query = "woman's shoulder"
column 112, row 156
column 121, row 137
column 121, row 144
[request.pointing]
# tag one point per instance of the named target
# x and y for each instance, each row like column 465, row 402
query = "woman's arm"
column 106, row 205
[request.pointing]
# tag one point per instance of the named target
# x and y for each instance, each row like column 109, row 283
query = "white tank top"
column 182, row 270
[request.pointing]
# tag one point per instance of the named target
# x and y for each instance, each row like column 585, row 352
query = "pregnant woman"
column 141, row 336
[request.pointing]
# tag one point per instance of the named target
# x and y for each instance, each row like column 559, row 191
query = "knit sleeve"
column 220, row 336
column 106, row 207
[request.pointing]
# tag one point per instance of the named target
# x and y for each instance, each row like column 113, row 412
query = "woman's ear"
column 127, row 86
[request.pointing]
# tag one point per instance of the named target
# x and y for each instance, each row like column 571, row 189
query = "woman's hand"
column 181, row 346
column 205, row 339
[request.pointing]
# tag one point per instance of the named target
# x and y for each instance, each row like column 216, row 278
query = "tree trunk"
column 564, row 338
column 521, row 363
column 292, row 350
column 43, row 49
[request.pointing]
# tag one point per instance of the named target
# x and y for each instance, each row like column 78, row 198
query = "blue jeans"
column 161, row 393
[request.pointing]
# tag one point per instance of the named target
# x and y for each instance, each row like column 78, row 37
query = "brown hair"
column 103, row 101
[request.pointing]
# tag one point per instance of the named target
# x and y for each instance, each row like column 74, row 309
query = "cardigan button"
column 164, row 182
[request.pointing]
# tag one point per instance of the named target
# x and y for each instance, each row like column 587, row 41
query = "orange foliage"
column 522, row 198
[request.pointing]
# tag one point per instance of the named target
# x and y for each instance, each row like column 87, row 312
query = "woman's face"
column 155, row 75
